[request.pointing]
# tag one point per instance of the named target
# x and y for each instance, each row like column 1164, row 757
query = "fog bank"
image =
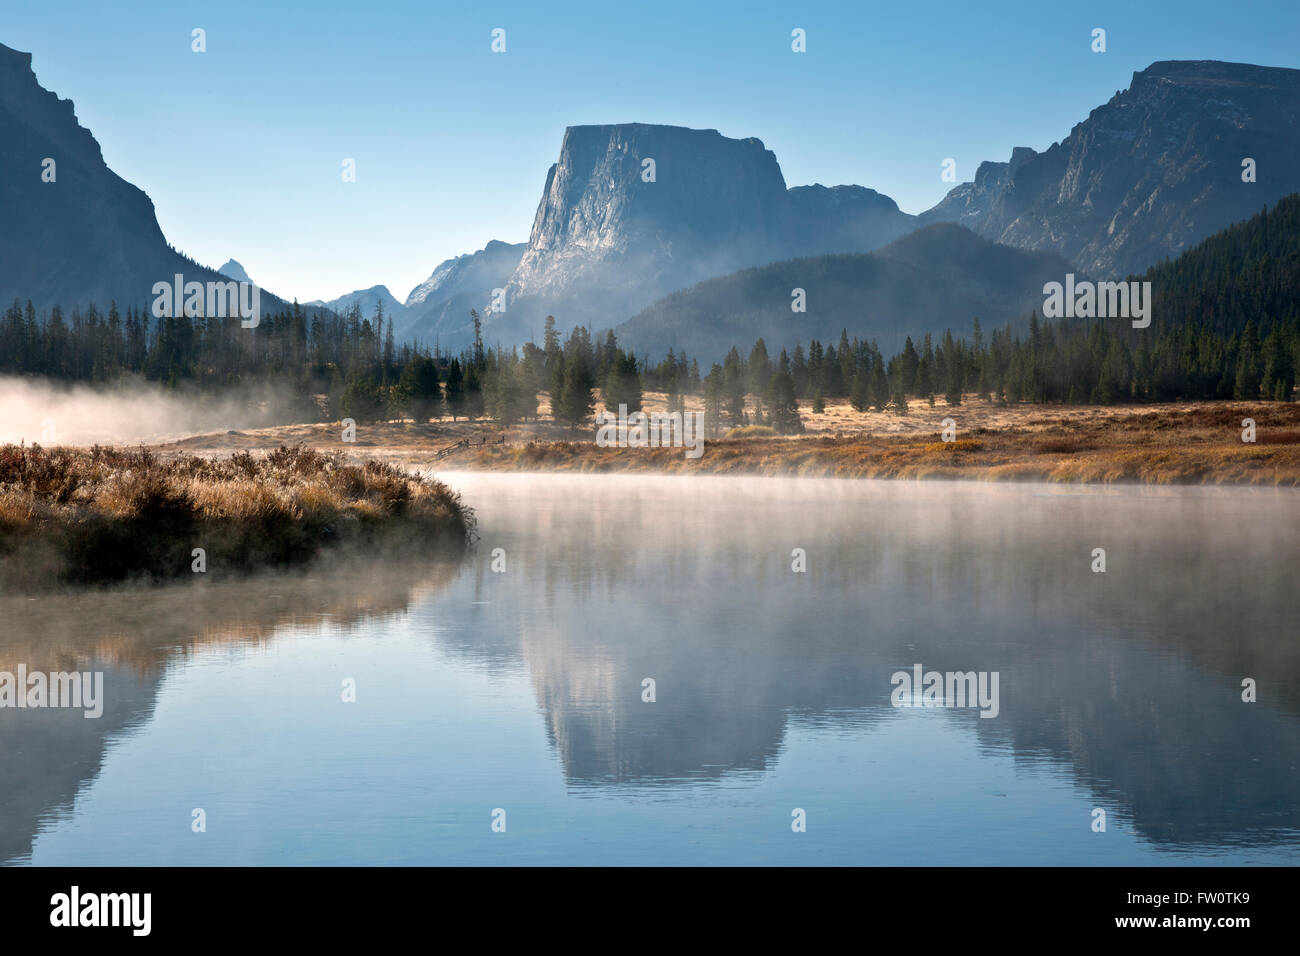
column 50, row 414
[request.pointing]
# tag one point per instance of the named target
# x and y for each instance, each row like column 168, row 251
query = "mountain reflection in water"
column 1119, row 690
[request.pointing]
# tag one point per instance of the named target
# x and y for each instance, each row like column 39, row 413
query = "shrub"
column 107, row 514
column 751, row 431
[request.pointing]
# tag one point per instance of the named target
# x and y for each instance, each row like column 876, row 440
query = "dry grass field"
column 1183, row 442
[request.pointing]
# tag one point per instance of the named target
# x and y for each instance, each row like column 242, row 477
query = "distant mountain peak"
column 234, row 270
column 367, row 300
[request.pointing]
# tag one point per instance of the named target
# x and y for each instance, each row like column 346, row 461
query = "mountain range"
column 1143, row 178
column 634, row 217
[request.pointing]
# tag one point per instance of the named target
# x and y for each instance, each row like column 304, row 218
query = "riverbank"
column 1170, row 443
column 88, row 516
column 1196, row 447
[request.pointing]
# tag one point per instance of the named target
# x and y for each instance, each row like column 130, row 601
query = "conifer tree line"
column 1227, row 326
column 348, row 366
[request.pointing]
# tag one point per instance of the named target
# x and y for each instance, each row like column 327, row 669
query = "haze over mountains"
column 939, row 277
column 368, row 300
column 1145, row 177
column 631, row 213
column 438, row 308
column 437, row 311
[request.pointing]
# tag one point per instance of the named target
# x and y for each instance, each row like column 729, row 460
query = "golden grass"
column 1168, row 443
column 752, row 431
column 106, row 514
column 1196, row 444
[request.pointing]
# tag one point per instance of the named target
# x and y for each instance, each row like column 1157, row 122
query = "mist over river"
column 519, row 694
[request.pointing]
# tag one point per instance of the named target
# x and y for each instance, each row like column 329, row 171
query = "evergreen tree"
column 362, row 401
column 802, row 372
column 420, row 390
column 860, row 392
column 734, row 381
column 760, row 368
column 479, row 358
column 713, row 387
column 910, row 369
column 783, row 410
column 576, row 400
column 550, row 345
column 1279, row 374
column 475, row 403
column 455, row 391
column 525, row 393
column 622, row 383
column 1248, row 376
column 503, row 392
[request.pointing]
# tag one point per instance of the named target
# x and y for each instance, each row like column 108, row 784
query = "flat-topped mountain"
column 632, row 211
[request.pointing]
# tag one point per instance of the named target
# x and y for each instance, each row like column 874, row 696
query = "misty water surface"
column 522, row 690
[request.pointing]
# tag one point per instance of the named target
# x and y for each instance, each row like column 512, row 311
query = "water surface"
column 522, row 690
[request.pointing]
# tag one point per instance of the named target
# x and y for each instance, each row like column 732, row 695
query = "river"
column 630, row 670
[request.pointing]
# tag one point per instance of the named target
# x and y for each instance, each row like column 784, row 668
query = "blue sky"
column 240, row 147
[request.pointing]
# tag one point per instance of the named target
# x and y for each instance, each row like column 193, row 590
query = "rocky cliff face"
column 713, row 200
column 87, row 235
column 1149, row 174
column 608, row 239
